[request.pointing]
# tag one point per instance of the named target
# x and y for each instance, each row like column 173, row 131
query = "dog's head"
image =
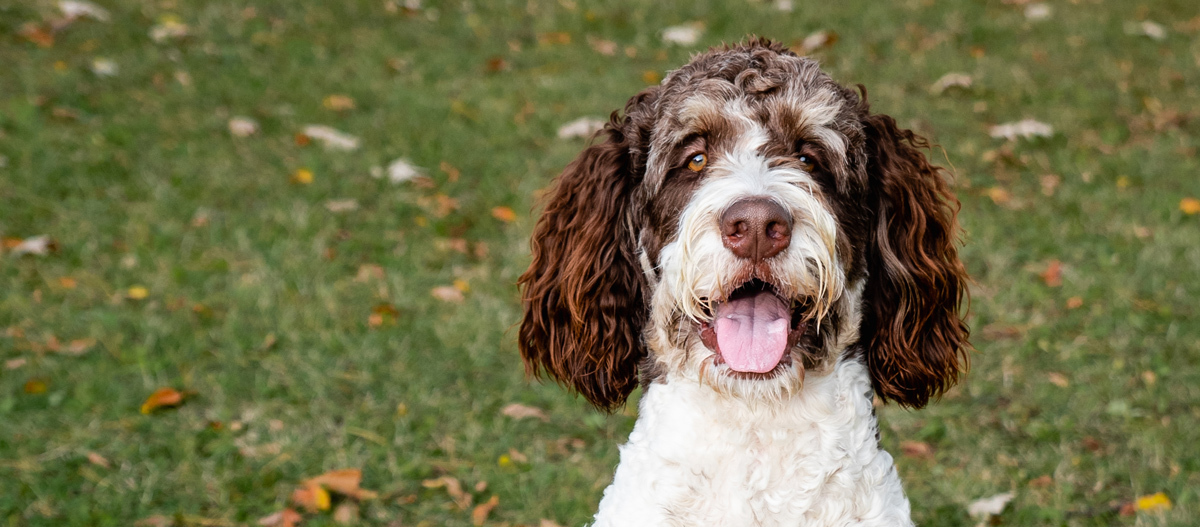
column 744, row 222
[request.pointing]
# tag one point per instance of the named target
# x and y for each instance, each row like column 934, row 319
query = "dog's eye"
column 807, row 163
column 697, row 162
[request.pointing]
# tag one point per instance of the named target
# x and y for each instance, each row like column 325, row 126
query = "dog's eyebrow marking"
column 808, row 118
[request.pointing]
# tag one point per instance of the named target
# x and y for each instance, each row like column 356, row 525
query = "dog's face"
column 747, row 221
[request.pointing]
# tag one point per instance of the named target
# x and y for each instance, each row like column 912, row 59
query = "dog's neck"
column 699, row 457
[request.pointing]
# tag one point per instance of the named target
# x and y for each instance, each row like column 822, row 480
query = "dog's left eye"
column 697, row 162
column 807, row 163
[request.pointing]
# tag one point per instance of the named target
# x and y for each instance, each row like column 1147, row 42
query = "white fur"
column 698, row 457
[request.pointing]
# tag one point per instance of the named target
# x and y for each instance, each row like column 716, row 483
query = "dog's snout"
column 756, row 228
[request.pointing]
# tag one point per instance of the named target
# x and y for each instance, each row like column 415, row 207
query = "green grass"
column 121, row 171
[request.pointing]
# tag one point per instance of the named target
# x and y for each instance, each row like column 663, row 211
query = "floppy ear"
column 916, row 338
column 583, row 291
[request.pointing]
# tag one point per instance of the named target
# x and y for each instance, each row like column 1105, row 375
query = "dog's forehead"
column 729, row 95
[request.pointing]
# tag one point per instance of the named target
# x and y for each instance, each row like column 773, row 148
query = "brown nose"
column 756, row 228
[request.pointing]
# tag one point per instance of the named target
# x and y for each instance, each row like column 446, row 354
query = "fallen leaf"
column 1049, row 183
column 462, row 285
column 1037, row 12
column 453, row 488
column 480, row 513
column 12, row 364
column 302, row 140
column 285, row 518
column 497, row 63
column 35, row 386
column 481, row 486
column 1026, row 128
column 1189, row 206
column 67, row 282
column 452, row 173
column 242, row 126
column 1154, row 503
column 447, row 293
column 40, row 245
column 77, row 9
column 333, row 139
column 517, row 456
column 504, row 214
column 651, row 77
column 37, row 34
column 951, row 80
column 338, row 103
column 368, row 272
column 1149, row 378
column 341, row 205
column 683, row 35
column 1146, row 28
column 1092, row 445
column 78, row 347
column 817, row 40
column 137, row 292
column 990, row 506
column 302, row 176
column 583, row 127
column 548, row 523
column 998, row 195
column 312, row 497
column 169, row 27
column 601, row 46
column 98, row 460
column 1052, row 276
column 1058, row 379
column 163, row 397
column 399, row 171
column 1074, row 302
column 521, row 411
column 916, row 449
column 102, row 67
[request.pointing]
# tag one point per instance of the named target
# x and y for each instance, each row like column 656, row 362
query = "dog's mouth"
column 753, row 329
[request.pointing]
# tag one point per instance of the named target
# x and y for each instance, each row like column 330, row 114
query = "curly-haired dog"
column 768, row 254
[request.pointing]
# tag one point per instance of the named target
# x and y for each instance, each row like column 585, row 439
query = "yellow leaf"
column 67, row 282
column 1123, row 182
column 160, row 398
column 344, row 481
column 1189, row 206
column 651, row 77
column 504, row 214
column 1154, row 502
column 462, row 285
column 999, row 196
column 302, row 176
column 35, row 386
column 138, row 292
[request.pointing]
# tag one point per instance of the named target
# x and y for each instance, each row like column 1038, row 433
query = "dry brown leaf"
column 344, row 481
column 312, row 497
column 1052, row 276
column 504, row 214
column 517, row 456
column 338, row 103
column 453, row 488
column 548, row 523
column 162, row 397
column 38, row 34
column 285, row 518
column 98, row 460
column 554, row 37
column 916, row 449
column 1092, row 445
column 35, row 386
column 368, row 272
column 481, row 486
column 481, row 512
column 1074, row 302
column 452, row 173
column 13, row 364
column 1058, row 379
column 496, row 63
column 67, row 282
column 604, row 47
column 520, row 411
column 998, row 195
column 79, row 346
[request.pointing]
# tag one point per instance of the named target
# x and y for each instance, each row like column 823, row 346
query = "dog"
column 765, row 256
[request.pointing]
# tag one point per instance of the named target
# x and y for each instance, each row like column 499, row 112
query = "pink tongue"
column 752, row 332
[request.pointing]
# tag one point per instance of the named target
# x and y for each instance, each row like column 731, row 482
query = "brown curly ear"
column 916, row 338
column 583, row 291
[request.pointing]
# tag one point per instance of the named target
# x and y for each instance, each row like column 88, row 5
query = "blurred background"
column 258, row 257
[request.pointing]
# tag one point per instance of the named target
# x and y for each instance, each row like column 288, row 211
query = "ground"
column 317, row 317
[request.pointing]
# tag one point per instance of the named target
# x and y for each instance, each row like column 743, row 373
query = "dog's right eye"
column 807, row 163
column 698, row 162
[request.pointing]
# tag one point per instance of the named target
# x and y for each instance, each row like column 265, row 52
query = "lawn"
column 317, row 316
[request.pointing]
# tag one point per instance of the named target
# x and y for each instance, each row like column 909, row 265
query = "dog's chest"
column 697, row 458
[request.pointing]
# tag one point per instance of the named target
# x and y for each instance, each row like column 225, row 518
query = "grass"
column 1082, row 396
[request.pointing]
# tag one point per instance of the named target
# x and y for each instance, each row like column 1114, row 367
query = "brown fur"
column 585, row 295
